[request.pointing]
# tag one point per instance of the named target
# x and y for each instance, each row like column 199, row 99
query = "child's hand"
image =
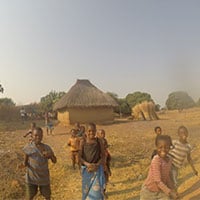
column 47, row 154
column 195, row 172
column 21, row 166
column 173, row 194
column 92, row 167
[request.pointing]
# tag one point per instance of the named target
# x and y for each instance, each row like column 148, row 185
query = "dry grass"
column 131, row 144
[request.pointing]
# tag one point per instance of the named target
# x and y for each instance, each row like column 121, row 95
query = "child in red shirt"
column 159, row 184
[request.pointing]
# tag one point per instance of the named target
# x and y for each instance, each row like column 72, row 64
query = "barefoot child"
column 37, row 155
column 107, row 171
column 180, row 152
column 158, row 131
column 74, row 143
column 30, row 131
column 48, row 124
column 92, row 158
column 159, row 184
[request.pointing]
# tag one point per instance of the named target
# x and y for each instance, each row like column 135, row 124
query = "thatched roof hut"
column 85, row 103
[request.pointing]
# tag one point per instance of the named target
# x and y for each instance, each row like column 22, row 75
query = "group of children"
column 78, row 136
column 89, row 150
column 167, row 159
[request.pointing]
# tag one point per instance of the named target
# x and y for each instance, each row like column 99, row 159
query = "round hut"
column 85, row 103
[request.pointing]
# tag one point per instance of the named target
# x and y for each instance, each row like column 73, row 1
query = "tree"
column 179, row 100
column 48, row 101
column 1, row 88
column 137, row 97
column 6, row 102
column 123, row 107
column 198, row 103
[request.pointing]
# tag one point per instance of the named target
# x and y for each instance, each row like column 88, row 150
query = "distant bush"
column 49, row 100
column 8, row 110
column 179, row 100
column 137, row 97
column 9, row 113
column 123, row 107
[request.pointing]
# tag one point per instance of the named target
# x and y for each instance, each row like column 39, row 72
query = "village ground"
column 131, row 144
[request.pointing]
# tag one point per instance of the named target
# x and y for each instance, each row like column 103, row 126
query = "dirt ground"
column 131, row 144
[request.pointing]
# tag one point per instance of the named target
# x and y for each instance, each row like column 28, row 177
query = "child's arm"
column 26, row 160
column 191, row 164
column 49, row 154
column 102, row 159
column 69, row 142
column 25, row 135
column 53, row 158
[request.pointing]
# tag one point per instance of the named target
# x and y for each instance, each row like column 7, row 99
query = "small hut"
column 85, row 103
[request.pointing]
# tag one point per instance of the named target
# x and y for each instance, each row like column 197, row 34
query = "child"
column 81, row 131
column 36, row 161
column 48, row 124
column 181, row 150
column 29, row 133
column 107, row 170
column 92, row 158
column 74, row 144
column 159, row 184
column 158, row 131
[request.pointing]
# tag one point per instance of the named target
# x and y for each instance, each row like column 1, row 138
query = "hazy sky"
column 121, row 46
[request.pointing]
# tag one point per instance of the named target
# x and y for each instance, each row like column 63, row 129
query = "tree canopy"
column 47, row 101
column 137, row 97
column 6, row 102
column 179, row 100
column 1, row 88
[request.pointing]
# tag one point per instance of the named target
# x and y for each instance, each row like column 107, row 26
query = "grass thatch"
column 85, row 94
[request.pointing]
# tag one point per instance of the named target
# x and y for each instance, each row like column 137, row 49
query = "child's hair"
column 184, row 128
column 33, row 124
column 157, row 127
column 38, row 129
column 83, row 128
column 73, row 130
column 166, row 138
column 91, row 125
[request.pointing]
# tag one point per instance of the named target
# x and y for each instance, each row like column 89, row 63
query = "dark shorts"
column 32, row 189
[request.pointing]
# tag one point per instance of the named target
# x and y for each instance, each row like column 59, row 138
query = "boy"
column 48, row 124
column 74, row 144
column 158, row 184
column 36, row 161
column 181, row 150
column 158, row 131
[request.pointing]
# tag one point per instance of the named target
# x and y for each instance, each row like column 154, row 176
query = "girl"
column 92, row 159
column 158, row 184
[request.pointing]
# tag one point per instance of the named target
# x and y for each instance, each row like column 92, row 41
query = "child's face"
column 32, row 126
column 37, row 136
column 73, row 133
column 77, row 125
column 163, row 148
column 158, row 131
column 102, row 134
column 182, row 135
column 91, row 132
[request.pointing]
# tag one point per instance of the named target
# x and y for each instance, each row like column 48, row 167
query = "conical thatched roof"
column 84, row 94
